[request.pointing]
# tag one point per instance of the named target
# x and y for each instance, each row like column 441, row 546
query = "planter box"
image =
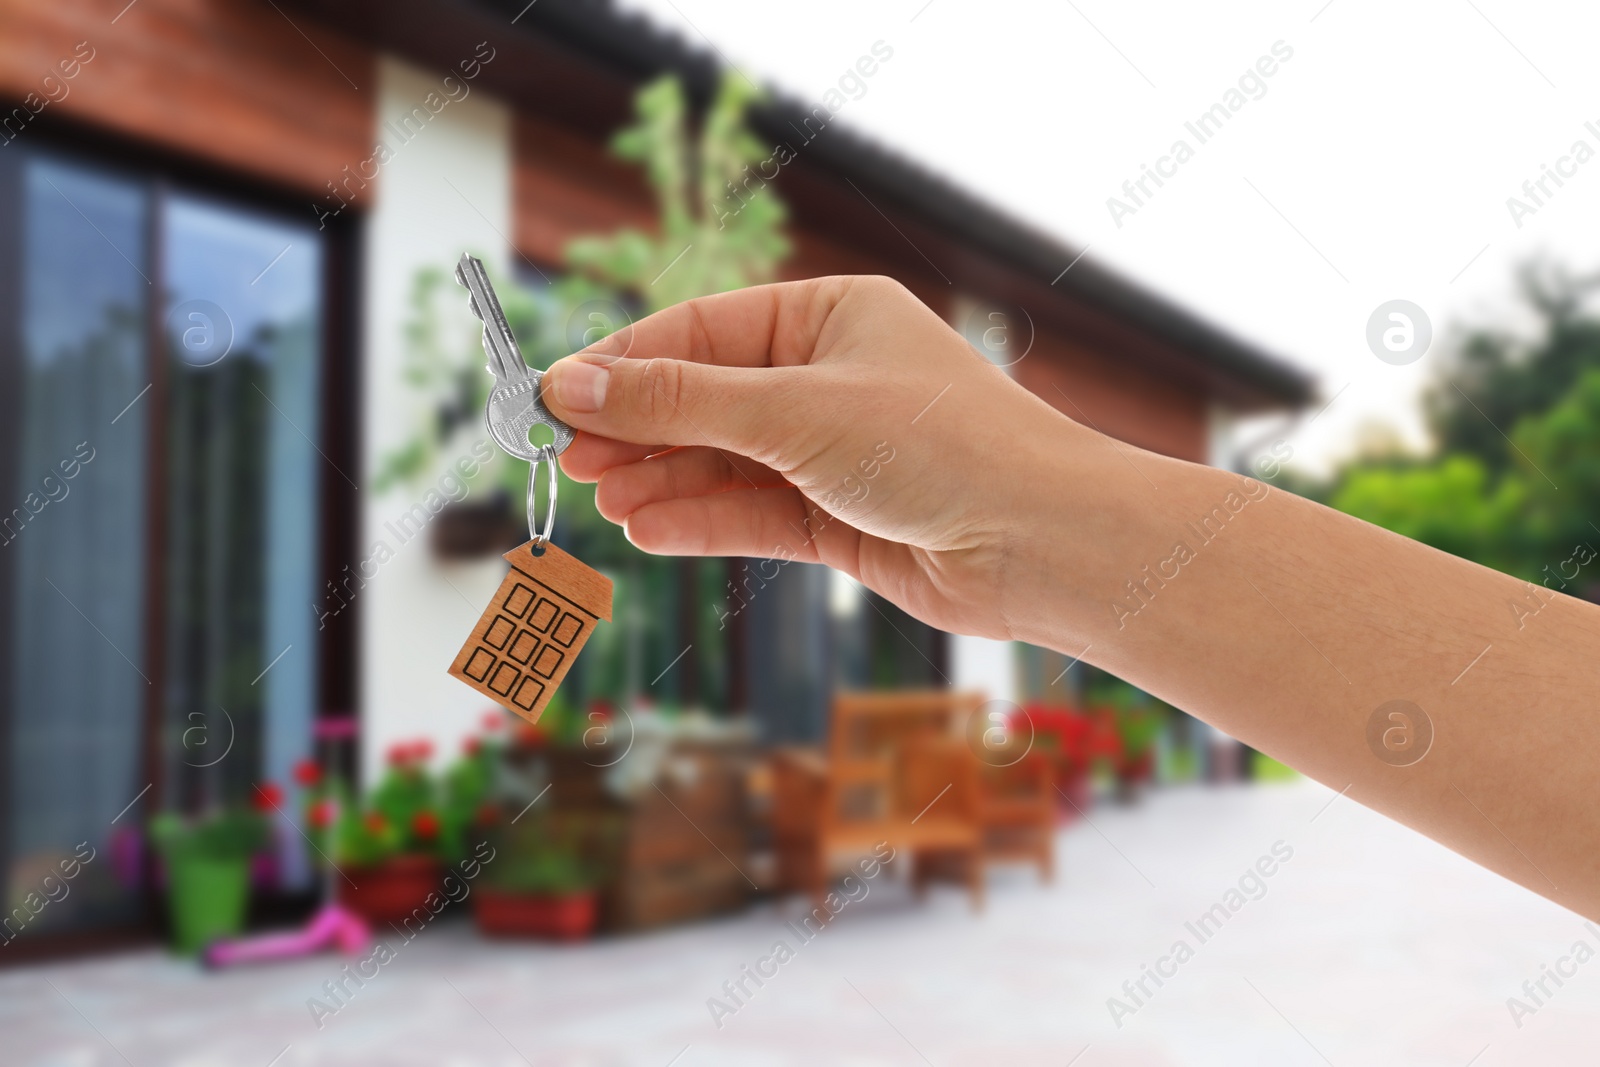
column 392, row 890
column 561, row 918
column 474, row 531
column 684, row 842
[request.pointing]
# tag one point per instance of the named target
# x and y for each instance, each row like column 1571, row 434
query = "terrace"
column 1371, row 945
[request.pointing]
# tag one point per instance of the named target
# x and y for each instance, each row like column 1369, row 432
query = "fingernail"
column 581, row 386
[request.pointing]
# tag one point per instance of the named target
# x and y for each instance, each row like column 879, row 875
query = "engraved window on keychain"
column 549, row 603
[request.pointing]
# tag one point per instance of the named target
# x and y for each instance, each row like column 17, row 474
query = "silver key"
column 515, row 405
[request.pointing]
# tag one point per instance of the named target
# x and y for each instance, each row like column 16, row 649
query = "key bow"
column 515, row 404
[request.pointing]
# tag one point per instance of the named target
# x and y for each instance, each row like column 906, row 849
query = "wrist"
column 1086, row 501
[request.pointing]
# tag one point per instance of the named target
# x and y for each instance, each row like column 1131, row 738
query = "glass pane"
column 77, row 546
column 242, row 315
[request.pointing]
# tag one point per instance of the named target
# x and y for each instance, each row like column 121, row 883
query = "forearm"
column 1288, row 625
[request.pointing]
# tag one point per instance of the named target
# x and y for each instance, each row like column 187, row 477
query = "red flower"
column 375, row 823
column 472, row 745
column 487, row 814
column 267, row 797
column 425, row 824
column 307, row 773
column 530, row 736
column 320, row 815
column 404, row 752
column 493, row 721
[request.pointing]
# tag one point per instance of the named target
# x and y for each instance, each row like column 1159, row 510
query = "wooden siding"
column 233, row 83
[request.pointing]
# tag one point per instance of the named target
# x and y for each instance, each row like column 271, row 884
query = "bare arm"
column 758, row 423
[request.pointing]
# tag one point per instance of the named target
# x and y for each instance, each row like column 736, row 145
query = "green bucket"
column 207, row 899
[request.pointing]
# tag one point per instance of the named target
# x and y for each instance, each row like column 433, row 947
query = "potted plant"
column 1128, row 720
column 389, row 849
column 1066, row 735
column 207, row 862
column 1137, row 727
column 465, row 806
column 542, row 885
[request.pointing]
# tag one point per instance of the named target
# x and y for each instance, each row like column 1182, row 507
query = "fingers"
column 773, row 523
column 684, row 472
column 589, row 456
column 666, row 401
column 720, row 370
column 762, row 326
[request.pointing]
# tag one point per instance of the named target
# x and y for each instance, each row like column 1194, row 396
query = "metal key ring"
column 546, row 455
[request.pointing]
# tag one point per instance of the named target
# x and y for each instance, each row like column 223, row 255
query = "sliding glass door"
column 241, row 326
column 75, row 549
column 159, row 540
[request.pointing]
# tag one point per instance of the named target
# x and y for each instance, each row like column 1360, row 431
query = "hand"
column 836, row 420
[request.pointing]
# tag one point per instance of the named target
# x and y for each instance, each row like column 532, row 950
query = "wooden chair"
column 896, row 771
column 1017, row 808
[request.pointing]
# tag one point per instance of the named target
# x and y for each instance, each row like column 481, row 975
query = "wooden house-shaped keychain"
column 543, row 612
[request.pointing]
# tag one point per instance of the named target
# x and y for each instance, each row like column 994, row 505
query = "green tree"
column 1514, row 482
column 1453, row 504
column 1496, row 377
column 1557, row 463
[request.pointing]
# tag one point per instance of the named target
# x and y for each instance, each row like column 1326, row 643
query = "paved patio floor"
column 1368, row 945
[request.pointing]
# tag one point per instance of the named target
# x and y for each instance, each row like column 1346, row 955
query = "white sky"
column 1390, row 141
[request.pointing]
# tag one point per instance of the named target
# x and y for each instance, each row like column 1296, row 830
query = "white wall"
column 984, row 664
column 416, row 612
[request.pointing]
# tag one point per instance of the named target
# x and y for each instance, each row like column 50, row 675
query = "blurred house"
column 211, row 215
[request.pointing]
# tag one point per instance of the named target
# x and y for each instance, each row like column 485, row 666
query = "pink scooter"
column 332, row 926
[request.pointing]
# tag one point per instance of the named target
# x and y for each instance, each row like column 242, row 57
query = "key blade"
column 505, row 358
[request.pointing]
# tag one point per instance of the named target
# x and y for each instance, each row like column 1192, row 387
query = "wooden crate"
column 676, row 849
column 684, row 842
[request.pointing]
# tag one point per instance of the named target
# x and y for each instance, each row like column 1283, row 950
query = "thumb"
column 663, row 401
